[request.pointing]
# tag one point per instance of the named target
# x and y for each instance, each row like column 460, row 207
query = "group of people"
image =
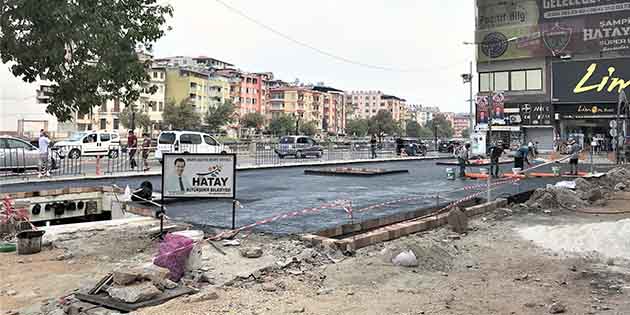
column 132, row 148
column 522, row 156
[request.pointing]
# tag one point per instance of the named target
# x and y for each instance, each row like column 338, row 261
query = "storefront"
column 585, row 98
column 537, row 124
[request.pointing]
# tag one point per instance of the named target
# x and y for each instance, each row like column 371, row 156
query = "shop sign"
column 536, row 114
column 586, row 111
column 592, row 81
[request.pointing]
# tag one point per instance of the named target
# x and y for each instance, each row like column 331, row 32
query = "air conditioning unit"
column 515, row 119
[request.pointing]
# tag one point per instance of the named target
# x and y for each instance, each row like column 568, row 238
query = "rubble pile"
column 594, row 191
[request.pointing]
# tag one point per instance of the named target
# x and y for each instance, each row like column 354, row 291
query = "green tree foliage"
column 219, row 116
column 282, row 125
column 87, row 49
column 308, row 128
column 444, row 128
column 142, row 120
column 466, row 133
column 415, row 130
column 253, row 120
column 182, row 116
column 357, row 127
column 382, row 123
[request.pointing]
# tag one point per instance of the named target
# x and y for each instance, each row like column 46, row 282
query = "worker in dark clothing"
column 521, row 157
column 495, row 154
column 462, row 159
column 132, row 146
column 399, row 146
column 574, row 150
column 373, row 146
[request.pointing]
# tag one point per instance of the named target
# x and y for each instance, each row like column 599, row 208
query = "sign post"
column 199, row 175
column 622, row 104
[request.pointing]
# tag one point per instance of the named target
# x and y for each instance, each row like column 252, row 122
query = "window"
column 90, row 138
column 501, row 81
column 485, row 82
column 533, row 79
column 249, row 80
column 208, row 140
column 105, row 137
column 161, row 106
column 286, row 140
column 518, row 81
column 167, row 138
column 302, row 140
column 253, row 101
column 189, row 138
column 116, row 124
column 155, row 75
column 255, row 81
column 103, row 123
column 17, row 144
column 161, row 75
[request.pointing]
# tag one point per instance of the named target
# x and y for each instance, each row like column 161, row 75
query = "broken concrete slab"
column 134, row 293
column 251, row 252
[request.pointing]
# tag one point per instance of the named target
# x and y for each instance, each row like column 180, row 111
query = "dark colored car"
column 411, row 146
column 298, row 147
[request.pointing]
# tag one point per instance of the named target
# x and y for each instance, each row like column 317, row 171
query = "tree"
column 253, row 120
column 414, row 129
column 357, row 127
column 182, row 116
column 219, row 116
column 282, row 125
column 308, row 128
column 87, row 49
column 383, row 123
column 444, row 128
column 466, row 133
column 141, row 119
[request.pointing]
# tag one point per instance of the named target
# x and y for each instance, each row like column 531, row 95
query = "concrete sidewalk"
column 34, row 179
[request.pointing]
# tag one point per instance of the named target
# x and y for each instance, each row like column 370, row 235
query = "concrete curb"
column 242, row 168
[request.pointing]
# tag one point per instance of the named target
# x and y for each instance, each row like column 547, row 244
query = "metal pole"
column 471, row 121
column 233, row 214
column 488, row 196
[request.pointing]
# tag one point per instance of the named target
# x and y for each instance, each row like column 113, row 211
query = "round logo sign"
column 613, row 124
column 494, row 45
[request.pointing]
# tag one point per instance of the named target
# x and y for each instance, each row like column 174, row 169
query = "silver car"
column 18, row 155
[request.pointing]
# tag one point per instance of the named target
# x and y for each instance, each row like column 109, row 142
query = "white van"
column 90, row 143
column 187, row 142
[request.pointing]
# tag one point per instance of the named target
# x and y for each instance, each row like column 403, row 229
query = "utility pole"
column 468, row 78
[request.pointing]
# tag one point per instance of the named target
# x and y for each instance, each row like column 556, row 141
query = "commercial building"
column 547, row 68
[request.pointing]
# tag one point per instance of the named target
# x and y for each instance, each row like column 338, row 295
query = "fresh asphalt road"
column 269, row 192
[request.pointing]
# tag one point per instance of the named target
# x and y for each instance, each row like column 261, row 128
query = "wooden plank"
column 106, row 301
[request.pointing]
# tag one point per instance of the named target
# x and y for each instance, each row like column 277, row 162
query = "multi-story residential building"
column 365, row 104
column 190, row 84
column 449, row 117
column 248, row 91
column 395, row 105
column 460, row 123
column 334, row 113
column 425, row 114
column 324, row 106
column 153, row 103
column 186, row 61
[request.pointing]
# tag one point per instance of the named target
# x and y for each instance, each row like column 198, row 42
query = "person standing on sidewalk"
column 132, row 146
column 373, row 146
column 574, row 152
column 495, row 155
column 43, row 144
column 462, row 159
column 146, row 147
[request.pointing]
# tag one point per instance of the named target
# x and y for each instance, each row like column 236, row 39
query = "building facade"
column 460, row 123
column 550, row 67
column 189, row 84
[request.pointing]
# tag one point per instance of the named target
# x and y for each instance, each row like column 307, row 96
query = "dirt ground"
column 490, row 270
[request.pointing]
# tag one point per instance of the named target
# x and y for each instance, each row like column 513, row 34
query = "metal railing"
column 16, row 162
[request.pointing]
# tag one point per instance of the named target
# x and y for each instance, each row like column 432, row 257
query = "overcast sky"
column 424, row 38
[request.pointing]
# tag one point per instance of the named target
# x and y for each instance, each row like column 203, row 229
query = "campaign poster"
column 498, row 107
column 199, row 175
column 482, row 110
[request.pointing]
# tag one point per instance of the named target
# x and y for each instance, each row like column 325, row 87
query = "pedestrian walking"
column 574, row 152
column 146, row 148
column 132, row 146
column 462, row 159
column 495, row 155
column 43, row 144
column 373, row 146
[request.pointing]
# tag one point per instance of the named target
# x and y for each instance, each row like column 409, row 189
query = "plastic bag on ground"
column 173, row 255
column 406, row 259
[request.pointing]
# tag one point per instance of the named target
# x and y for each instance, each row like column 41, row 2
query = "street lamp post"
column 468, row 78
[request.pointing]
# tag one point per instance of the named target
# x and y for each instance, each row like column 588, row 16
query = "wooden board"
column 105, row 300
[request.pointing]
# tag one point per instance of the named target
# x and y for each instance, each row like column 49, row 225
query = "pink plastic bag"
column 173, row 255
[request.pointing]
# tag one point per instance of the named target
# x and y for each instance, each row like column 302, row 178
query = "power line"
column 321, row 51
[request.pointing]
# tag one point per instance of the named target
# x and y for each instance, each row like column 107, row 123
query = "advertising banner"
column 594, row 81
column 587, row 111
column 536, row 114
column 482, row 110
column 199, row 175
column 510, row 31
column 498, row 108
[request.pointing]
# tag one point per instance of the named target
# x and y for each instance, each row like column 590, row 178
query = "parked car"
column 18, row 155
column 449, row 147
column 187, row 142
column 298, row 147
column 89, row 143
column 413, row 146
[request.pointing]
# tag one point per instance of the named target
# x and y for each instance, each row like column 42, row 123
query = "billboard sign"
column 199, row 175
column 511, row 30
column 591, row 81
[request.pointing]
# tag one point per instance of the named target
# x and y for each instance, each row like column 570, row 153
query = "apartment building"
column 460, row 123
column 153, row 103
column 365, row 104
column 248, row 91
column 299, row 102
column 187, row 61
column 190, row 84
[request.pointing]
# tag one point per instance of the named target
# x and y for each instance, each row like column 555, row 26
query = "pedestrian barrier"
column 28, row 162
